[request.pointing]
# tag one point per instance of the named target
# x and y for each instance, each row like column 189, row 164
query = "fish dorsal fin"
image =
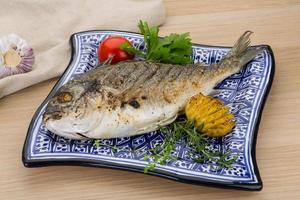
column 106, row 62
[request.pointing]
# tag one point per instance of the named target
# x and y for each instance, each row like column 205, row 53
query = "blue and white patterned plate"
column 245, row 93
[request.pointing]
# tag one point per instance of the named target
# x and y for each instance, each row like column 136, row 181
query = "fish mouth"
column 54, row 116
column 52, row 127
column 69, row 126
column 51, row 119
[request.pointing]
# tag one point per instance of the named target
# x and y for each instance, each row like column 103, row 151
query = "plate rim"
column 83, row 162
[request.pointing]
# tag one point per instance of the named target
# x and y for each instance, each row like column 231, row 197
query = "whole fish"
column 131, row 98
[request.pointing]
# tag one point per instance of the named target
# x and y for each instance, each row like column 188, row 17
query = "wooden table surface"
column 276, row 23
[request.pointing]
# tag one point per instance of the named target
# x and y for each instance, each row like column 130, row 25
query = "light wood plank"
column 276, row 23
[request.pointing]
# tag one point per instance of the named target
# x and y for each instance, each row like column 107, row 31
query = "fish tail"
column 242, row 51
column 240, row 54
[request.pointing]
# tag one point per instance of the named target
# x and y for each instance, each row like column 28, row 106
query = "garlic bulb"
column 16, row 56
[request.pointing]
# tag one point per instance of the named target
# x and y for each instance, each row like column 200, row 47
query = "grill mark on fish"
column 154, row 71
column 128, row 80
column 101, row 74
column 183, row 78
column 128, row 71
column 172, row 75
column 121, row 77
column 111, row 78
column 141, row 86
column 141, row 79
column 119, row 100
column 191, row 73
column 94, row 86
column 154, row 86
column 162, row 72
column 97, row 73
column 135, row 77
column 201, row 73
column 186, row 72
column 148, row 75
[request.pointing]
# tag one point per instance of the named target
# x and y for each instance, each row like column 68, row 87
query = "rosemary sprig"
column 162, row 154
column 97, row 143
column 196, row 142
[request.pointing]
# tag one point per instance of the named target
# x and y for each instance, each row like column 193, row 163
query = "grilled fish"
column 131, row 98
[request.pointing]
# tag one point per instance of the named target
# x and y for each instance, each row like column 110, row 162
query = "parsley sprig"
column 173, row 49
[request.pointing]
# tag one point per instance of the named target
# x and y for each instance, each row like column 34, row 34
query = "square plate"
column 245, row 93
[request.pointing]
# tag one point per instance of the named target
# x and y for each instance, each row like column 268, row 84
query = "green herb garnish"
column 98, row 143
column 196, row 142
column 172, row 49
column 182, row 131
column 163, row 153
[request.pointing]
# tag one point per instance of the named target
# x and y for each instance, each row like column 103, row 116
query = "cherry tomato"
column 111, row 47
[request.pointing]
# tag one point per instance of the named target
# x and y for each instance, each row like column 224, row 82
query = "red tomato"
column 111, row 47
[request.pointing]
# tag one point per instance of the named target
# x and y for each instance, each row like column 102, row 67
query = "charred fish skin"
column 136, row 97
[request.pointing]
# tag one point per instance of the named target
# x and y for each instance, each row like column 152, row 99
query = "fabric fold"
column 48, row 25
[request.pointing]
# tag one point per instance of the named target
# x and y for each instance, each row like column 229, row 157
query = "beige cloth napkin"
column 48, row 24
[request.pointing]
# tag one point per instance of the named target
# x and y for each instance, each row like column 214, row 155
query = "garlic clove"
column 16, row 56
column 12, row 58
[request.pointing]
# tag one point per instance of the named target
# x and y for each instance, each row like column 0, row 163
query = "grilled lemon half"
column 210, row 115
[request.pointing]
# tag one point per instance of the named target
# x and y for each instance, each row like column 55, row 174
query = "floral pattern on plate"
column 244, row 92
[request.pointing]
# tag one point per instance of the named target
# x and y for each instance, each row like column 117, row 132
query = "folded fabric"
column 48, row 25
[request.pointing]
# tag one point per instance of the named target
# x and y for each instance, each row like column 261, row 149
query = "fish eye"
column 64, row 97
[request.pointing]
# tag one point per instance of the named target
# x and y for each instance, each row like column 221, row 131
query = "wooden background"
column 276, row 23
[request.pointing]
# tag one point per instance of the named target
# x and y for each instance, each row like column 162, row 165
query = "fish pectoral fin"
column 155, row 126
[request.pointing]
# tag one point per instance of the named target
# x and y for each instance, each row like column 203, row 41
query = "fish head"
column 71, row 111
